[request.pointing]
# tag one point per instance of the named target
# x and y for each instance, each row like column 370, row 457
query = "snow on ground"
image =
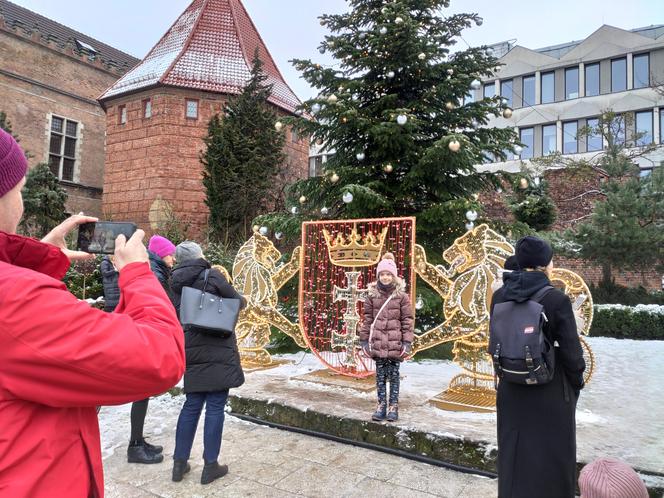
column 620, row 412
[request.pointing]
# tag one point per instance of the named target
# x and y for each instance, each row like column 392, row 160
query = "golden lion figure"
column 466, row 286
column 257, row 277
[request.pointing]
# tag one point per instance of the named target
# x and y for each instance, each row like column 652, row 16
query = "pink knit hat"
column 387, row 264
column 610, row 478
column 13, row 164
column 161, row 246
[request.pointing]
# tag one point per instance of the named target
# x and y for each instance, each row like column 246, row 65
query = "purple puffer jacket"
column 393, row 327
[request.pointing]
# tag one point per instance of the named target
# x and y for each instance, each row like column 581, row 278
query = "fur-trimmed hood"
column 399, row 288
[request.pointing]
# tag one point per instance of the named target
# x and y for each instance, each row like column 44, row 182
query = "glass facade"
column 548, row 87
column 592, row 79
column 570, row 143
column 571, row 83
column 548, row 139
column 619, row 75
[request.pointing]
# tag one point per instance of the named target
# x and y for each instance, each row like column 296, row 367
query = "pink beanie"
column 610, row 478
column 387, row 264
column 161, row 246
column 13, row 164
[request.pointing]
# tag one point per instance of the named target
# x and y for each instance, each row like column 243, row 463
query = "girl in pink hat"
column 387, row 333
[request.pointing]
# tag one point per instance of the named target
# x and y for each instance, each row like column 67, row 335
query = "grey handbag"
column 211, row 314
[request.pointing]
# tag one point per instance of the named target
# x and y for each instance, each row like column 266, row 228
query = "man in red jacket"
column 59, row 358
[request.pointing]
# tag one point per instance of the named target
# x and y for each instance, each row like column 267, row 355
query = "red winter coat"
column 394, row 325
column 59, row 358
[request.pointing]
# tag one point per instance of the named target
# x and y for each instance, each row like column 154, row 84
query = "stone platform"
column 618, row 413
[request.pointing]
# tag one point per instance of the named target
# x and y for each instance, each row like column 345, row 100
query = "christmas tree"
column 243, row 158
column 396, row 111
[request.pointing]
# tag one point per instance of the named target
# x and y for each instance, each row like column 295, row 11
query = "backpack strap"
column 371, row 328
column 539, row 295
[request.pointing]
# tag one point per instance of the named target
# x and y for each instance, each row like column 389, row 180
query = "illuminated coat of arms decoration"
column 339, row 260
column 336, row 261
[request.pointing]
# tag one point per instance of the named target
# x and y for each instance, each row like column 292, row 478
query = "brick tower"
column 157, row 115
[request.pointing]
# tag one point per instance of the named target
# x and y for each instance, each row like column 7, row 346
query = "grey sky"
column 291, row 30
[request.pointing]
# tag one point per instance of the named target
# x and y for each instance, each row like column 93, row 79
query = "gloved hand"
column 405, row 349
column 365, row 348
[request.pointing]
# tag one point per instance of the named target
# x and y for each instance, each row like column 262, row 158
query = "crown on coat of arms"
column 354, row 250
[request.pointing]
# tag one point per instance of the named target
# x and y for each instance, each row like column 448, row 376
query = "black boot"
column 379, row 414
column 212, row 471
column 180, row 468
column 138, row 452
column 393, row 414
column 153, row 447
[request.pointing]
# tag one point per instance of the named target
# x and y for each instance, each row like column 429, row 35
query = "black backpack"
column 521, row 352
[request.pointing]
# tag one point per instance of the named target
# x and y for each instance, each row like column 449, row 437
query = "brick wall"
column 37, row 81
column 150, row 162
column 574, row 196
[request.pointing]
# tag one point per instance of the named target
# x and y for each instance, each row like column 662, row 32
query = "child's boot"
column 379, row 414
column 393, row 414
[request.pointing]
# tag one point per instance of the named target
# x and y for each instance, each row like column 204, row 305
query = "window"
column 570, row 131
column 192, row 109
column 506, row 91
column 571, row 83
column 147, row 108
column 295, row 136
column 594, row 137
column 62, row 148
column 618, row 75
column 489, row 90
column 661, row 126
column 641, row 65
column 643, row 128
column 645, row 173
column 528, row 90
column 526, row 137
column 122, row 114
column 548, row 87
column 315, row 166
column 548, row 139
column 592, row 79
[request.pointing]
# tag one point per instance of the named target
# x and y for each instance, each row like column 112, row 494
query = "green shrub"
column 612, row 293
column 628, row 323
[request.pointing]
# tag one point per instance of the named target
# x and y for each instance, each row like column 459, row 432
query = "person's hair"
column 187, row 251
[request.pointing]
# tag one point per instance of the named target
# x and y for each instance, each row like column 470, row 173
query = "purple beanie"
column 608, row 478
column 161, row 246
column 13, row 164
column 387, row 264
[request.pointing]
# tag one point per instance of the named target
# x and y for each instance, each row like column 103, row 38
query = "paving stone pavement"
column 266, row 462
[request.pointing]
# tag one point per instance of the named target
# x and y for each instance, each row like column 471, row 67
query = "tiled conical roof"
column 209, row 47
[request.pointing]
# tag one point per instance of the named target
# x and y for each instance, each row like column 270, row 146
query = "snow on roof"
column 209, row 47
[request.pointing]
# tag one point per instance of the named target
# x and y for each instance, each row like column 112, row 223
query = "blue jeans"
column 188, row 422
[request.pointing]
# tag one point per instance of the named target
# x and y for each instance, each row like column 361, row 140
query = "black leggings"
column 387, row 370
column 138, row 411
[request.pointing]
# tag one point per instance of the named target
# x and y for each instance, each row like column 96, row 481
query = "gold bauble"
column 454, row 146
column 303, row 199
column 450, row 106
column 332, row 99
column 523, row 183
column 334, row 178
column 388, row 168
column 507, row 113
column 278, row 125
column 256, row 228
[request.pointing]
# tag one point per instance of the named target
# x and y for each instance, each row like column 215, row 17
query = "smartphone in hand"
column 99, row 237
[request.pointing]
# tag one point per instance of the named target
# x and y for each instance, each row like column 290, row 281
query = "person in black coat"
column 139, row 450
column 213, row 367
column 109, row 278
column 536, row 423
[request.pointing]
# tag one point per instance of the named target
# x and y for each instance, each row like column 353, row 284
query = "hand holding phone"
column 100, row 237
column 130, row 251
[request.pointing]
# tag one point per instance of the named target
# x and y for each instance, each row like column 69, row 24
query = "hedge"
column 622, row 322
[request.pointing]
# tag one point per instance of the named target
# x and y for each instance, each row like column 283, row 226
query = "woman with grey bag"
column 213, row 367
